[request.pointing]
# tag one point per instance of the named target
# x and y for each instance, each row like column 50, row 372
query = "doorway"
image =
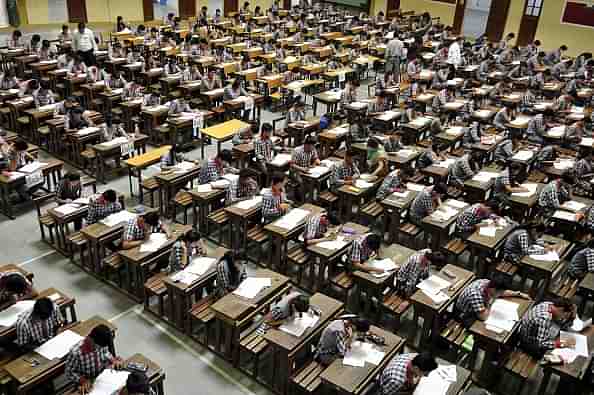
column 77, row 11
column 163, row 7
column 476, row 15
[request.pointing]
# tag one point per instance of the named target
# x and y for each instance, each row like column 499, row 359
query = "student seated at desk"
column 349, row 93
column 139, row 229
column 69, row 188
column 43, row 95
column 39, row 325
column 415, row 270
column 15, row 40
column 77, row 67
column 151, row 99
column 171, row 68
column 46, row 52
column 317, row 226
column 90, row 357
column 115, row 80
column 554, row 194
column 538, row 331
column 66, row 60
column 393, row 144
column 102, row 205
column 191, row 73
column 475, row 300
column 34, row 45
column 523, row 241
column 274, row 201
column 536, row 130
column 346, row 172
column 502, row 118
column 464, row 168
column 243, row 136
column 291, row 305
column 395, row 181
column 116, row 51
column 303, row 158
column 244, row 188
column 230, row 273
column 431, row 155
column 18, row 156
column 426, row 202
column 364, row 248
column 211, row 82
column 26, row 88
column 546, row 156
column 14, row 286
column 507, row 182
column 137, row 384
column 179, row 105
column 113, row 128
column 377, row 161
column 582, row 171
column 337, row 337
column 507, row 148
column 404, row 371
column 9, row 80
column 95, row 74
column 215, row 168
column 132, row 90
column 264, row 149
column 573, row 135
column 134, row 56
column 295, row 113
column 234, row 90
column 187, row 246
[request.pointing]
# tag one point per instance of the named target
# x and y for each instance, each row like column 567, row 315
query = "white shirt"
column 454, row 55
column 85, row 41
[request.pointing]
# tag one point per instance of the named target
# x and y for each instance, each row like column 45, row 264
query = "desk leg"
column 321, row 279
column 545, row 381
column 194, row 213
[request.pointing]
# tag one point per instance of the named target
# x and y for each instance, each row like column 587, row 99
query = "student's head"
column 110, row 196
column 81, row 27
column 192, row 236
column 328, row 219
column 45, row 44
column 43, row 308
column 266, row 130
column 536, row 43
column 236, row 84
column 64, row 29
column 33, row 84
column 73, row 178
column 225, row 156
column 563, row 48
column 436, row 258
column 374, row 242
column 563, row 310
column 101, row 335
column 277, row 180
column 16, row 284
column 151, row 218
column 301, row 304
column 423, row 364
column 348, row 157
column 359, row 325
column 309, row 144
column 440, row 189
column 21, row 145
column 137, row 383
column 244, row 175
column 17, row 34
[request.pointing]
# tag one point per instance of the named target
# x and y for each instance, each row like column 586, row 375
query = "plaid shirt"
column 264, row 149
column 32, row 332
column 211, row 171
column 271, row 205
column 473, row 298
column 343, row 171
column 360, row 252
column 469, row 218
column 282, row 309
column 242, row 190
column 86, row 360
column 177, row 254
column 333, row 342
column 549, row 196
column 397, row 377
column 501, row 182
column 461, row 170
column 412, row 272
column 519, row 244
column 314, row 228
column 99, row 209
column 302, row 158
column 504, row 150
column 65, row 190
column 581, row 263
column 582, row 167
column 537, row 328
column 501, row 118
column 134, row 231
column 391, row 182
column 546, row 154
column 536, row 126
column 392, row 145
column 224, row 284
column 422, row 206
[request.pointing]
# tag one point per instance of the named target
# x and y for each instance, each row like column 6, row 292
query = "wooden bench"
column 507, row 269
column 113, row 264
column 410, row 231
column 454, row 334
column 150, row 186
column 521, row 366
column 567, row 288
column 395, row 305
column 328, row 200
column 201, row 314
column 77, row 242
column 454, row 248
column 219, row 220
column 308, row 380
column 370, row 212
column 254, row 345
column 299, row 257
column 258, row 236
column 155, row 287
column 182, row 200
column 344, row 282
column 45, row 220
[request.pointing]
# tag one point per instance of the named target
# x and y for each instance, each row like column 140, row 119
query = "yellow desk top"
column 149, row 158
column 225, row 130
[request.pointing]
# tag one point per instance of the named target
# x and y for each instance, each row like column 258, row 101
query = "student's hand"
column 284, row 206
column 569, row 343
column 118, row 363
column 84, row 387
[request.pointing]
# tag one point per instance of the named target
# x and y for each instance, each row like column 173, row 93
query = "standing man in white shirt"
column 84, row 44
column 393, row 55
column 455, row 53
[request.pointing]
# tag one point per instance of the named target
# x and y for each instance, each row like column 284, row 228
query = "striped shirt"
column 581, row 263
column 412, row 272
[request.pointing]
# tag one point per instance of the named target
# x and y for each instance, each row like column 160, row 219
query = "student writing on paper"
column 464, row 168
column 426, row 202
column 404, row 371
column 14, row 286
column 245, row 187
column 475, row 300
column 337, row 337
column 435, row 153
column 377, row 161
column 69, row 188
column 102, row 205
column 395, row 181
column 583, row 172
column 363, row 249
column 506, row 183
column 139, row 229
column 287, row 307
column 264, row 149
column 346, row 172
column 539, row 328
column 39, row 325
column 523, row 241
column 170, row 158
column 415, row 270
column 188, row 246
column 137, row 384
column 90, row 357
column 507, row 147
column 215, row 168
column 393, row 144
column 304, row 157
column 317, row 226
column 554, row 194
column 471, row 218
column 582, row 262
column 274, row 201
column 230, row 273
column 18, row 156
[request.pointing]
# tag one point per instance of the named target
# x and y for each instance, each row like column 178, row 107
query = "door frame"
column 84, row 18
column 528, row 26
column 495, row 28
column 459, row 17
column 148, row 10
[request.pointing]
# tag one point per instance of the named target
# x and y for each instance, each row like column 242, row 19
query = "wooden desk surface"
column 328, row 308
column 211, row 272
column 225, row 130
column 353, row 379
column 107, row 147
column 232, row 307
column 463, row 278
column 431, row 221
column 399, row 258
column 354, row 231
column 400, row 203
column 490, row 242
column 134, row 255
column 578, row 368
column 282, row 232
column 528, row 201
column 358, row 192
column 149, row 158
column 548, row 266
column 480, row 330
column 207, row 196
column 98, row 230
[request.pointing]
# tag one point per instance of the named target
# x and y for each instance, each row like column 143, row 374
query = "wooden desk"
column 140, row 162
column 523, row 206
column 286, row 347
column 151, row 118
column 107, row 150
column 240, row 219
column 330, row 99
column 432, row 312
column 223, row 132
column 62, row 224
column 299, row 129
column 482, row 247
column 351, row 196
column 171, row 181
column 353, row 380
column 201, row 205
column 439, row 230
column 231, row 309
column 586, row 290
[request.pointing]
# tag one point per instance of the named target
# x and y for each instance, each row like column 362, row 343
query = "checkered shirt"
column 282, row 309
column 65, row 190
column 397, row 376
column 242, row 190
column 504, row 150
column 549, row 196
column 98, row 210
column 86, row 360
column 581, row 263
column 501, row 118
column 134, row 231
column 501, row 182
column 264, row 149
column 422, row 206
column 392, row 146
column 19, row 157
column 391, row 182
column 582, row 167
column 425, row 159
column 472, row 300
column 302, row 158
column 537, row 328
column 528, row 98
column 360, row 252
column 333, row 342
column 469, row 218
column 562, row 103
column 211, row 171
column 314, row 228
column 342, row 171
column 546, row 154
column 224, row 284
column 412, row 272
column 461, row 170
column 519, row 244
column 536, row 125
column 471, row 135
column 32, row 332
column 271, row 205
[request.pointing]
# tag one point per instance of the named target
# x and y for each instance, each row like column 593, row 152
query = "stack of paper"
column 32, row 167
column 109, row 382
column 563, row 164
column 433, row 287
column 551, row 256
column 339, row 131
column 557, row 131
column 531, row 190
column 292, row 218
column 437, row 382
column 483, row 113
column 299, row 324
column 59, row 346
column 523, row 155
column 318, row 171
column 66, row 209
column 444, row 213
column 572, row 205
column 185, row 166
column 334, row 244
column 485, row 176
column 502, row 316
column 220, row 184
column 456, row 203
column 587, row 141
column 82, row 200
column 414, row 187
column 200, row 265
column 400, row 195
column 388, row 115
column 361, row 352
column 9, row 316
column 446, row 163
column 118, row 218
column 565, row 215
column 250, row 203
column 116, row 141
column 204, row 188
column 363, row 184
column 387, row 265
column 85, row 131
column 185, row 277
column 581, row 343
column 421, row 121
column 405, row 152
column 281, row 159
column 251, row 286
column 155, row 241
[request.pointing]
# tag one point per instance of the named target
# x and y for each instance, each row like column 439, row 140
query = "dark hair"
column 33, row 84
column 43, row 308
column 64, row 27
column 360, row 324
column 110, row 195
column 437, row 258
column 225, row 155
column 374, row 242
column 17, row 33
column 192, row 236
column 563, row 47
column 301, row 303
column 425, row 362
column 101, row 335
column 35, row 38
column 245, row 173
column 72, row 176
column 267, row 127
column 137, row 383
column 537, row 42
column 21, row 145
column 15, row 283
column 441, row 188
column 277, row 178
column 81, row 25
column 498, row 281
column 309, row 140
column 152, row 218
column 563, row 303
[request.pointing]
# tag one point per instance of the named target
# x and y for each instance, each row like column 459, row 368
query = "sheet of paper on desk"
column 386, row 265
column 333, row 244
column 85, row 131
column 563, row 164
column 66, row 209
column 299, row 324
column 59, row 346
column 251, row 286
column 32, row 167
column 446, row 163
column 248, row 204
column 484, row 176
column 185, row 166
column 432, row 384
column 579, row 325
column 155, row 241
column 523, row 155
column 520, row 121
column 185, row 277
column 388, row 115
column 204, row 188
column 488, row 231
column 200, row 265
column 220, row 184
column 455, row 130
column 231, row 177
column 581, row 342
column 339, row 131
column 318, row 171
column 116, row 141
column 9, row 316
column 400, row 195
column 109, row 382
column 503, row 314
column 572, row 205
column 361, row 352
column 587, row 141
column 551, row 256
column 531, row 190
column 363, row 184
column 565, row 215
column 444, row 213
column 118, row 218
column 421, row 121
column 415, row 187
column 433, row 284
column 281, row 159
column 568, row 355
column 456, row 203
column 292, row 219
